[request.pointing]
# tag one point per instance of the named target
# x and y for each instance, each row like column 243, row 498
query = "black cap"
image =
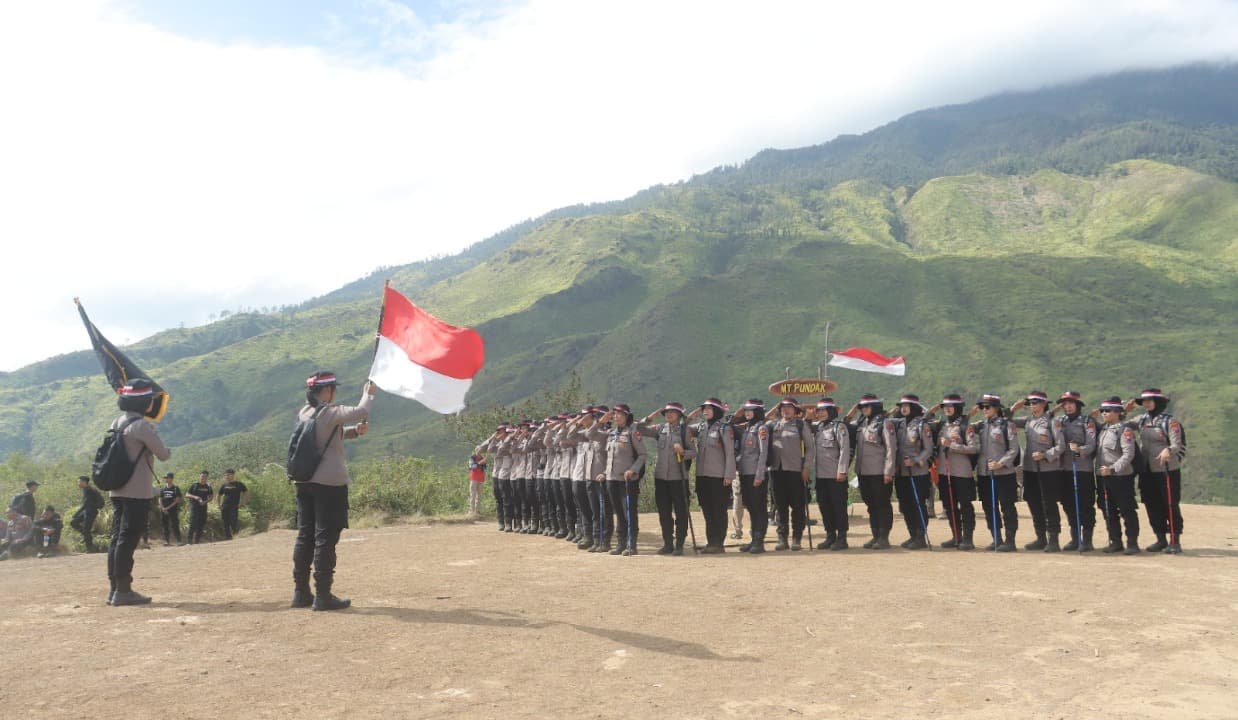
column 169, row 476
column 32, row 483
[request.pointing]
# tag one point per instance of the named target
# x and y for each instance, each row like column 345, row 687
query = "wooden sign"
column 798, row 387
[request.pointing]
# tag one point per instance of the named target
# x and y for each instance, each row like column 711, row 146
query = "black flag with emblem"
column 118, row 368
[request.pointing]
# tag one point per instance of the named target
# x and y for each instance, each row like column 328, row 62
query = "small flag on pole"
column 866, row 360
column 118, row 368
column 422, row 358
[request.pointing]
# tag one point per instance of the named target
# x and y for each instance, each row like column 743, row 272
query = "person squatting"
column 578, row 476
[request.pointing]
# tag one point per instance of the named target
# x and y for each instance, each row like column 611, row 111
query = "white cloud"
column 137, row 163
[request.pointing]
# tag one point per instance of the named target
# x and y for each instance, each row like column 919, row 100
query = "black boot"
column 797, row 543
column 967, row 543
column 883, row 540
column 1174, row 548
column 1009, row 545
column 840, row 543
column 782, row 542
column 1085, row 544
column 302, row 597
column 1159, row 545
column 1132, row 546
column 918, row 542
column 871, row 543
column 757, row 546
column 1115, row 545
column 830, row 539
column 1037, row 544
column 324, row 600
column 666, row 549
column 949, row 544
column 678, row 548
column 1051, row 545
column 1074, row 541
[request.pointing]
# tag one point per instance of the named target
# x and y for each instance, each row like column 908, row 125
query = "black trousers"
column 130, row 517
column 672, row 495
column 1079, row 499
column 1006, row 514
column 754, row 499
column 511, row 501
column 604, row 511
column 171, row 521
column 1119, row 493
column 913, row 493
column 232, row 523
column 568, row 514
column 500, row 502
column 84, row 522
column 715, row 500
column 547, row 504
column 532, row 504
column 197, row 522
column 832, row 502
column 876, row 495
column 623, row 497
column 1043, row 491
column 789, row 499
column 1162, row 500
column 957, row 494
column 586, row 507
column 322, row 514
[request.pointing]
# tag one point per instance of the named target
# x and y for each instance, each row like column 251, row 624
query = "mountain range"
column 1082, row 237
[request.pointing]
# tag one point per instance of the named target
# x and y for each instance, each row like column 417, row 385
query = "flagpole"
column 826, row 376
column 381, row 309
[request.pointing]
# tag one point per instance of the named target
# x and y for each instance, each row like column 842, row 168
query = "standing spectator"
column 170, row 508
column 23, row 502
column 131, row 501
column 18, row 533
column 84, row 519
column 199, row 495
column 477, row 478
column 47, row 532
column 233, row 495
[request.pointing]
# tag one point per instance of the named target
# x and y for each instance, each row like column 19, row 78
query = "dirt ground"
column 461, row 620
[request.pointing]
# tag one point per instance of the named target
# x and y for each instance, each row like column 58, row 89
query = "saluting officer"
column 1080, row 432
column 956, row 458
column 914, row 438
column 753, row 451
column 830, row 457
column 716, row 471
column 874, row 464
column 625, row 460
column 1160, row 480
column 999, row 449
column 1115, row 464
column 676, row 445
column 789, row 440
column 584, row 460
column 598, row 435
column 490, row 446
column 1042, row 464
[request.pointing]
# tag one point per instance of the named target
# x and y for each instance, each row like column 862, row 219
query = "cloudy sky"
column 168, row 159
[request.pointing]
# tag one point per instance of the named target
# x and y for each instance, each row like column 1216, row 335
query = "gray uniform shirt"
column 1116, row 449
column 625, row 450
column 753, row 449
column 1156, row 434
column 998, row 443
column 138, row 435
column 668, row 465
column 956, row 459
column 831, row 449
column 335, row 420
column 1080, row 430
column 715, row 450
column 789, row 441
column 877, row 446
column 1043, row 435
column 915, row 442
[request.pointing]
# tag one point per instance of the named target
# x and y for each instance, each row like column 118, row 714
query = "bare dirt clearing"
column 465, row 621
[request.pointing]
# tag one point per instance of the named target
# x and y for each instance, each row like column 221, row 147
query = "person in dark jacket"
column 170, row 498
column 47, row 529
column 199, row 497
column 24, row 502
column 83, row 520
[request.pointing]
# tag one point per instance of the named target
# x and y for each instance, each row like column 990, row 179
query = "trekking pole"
column 993, row 492
column 920, row 506
column 1169, row 507
column 602, row 516
column 954, row 518
column 808, row 516
column 627, row 509
column 687, row 498
column 1074, row 471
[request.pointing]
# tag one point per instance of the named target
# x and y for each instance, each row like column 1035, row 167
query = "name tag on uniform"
column 912, row 437
column 1044, row 438
column 778, row 443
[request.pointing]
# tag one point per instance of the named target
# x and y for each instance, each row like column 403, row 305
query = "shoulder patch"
column 1128, row 434
column 762, row 432
column 1173, row 425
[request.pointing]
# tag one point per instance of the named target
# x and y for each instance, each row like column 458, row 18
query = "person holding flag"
column 322, row 501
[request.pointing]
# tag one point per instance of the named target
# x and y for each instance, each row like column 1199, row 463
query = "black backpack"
column 303, row 453
column 112, row 467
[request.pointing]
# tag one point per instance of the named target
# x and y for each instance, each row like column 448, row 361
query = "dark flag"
column 118, row 368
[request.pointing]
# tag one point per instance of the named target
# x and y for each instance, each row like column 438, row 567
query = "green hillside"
column 1051, row 270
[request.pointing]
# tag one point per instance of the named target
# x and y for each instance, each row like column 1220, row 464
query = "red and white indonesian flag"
column 866, row 360
column 423, row 358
